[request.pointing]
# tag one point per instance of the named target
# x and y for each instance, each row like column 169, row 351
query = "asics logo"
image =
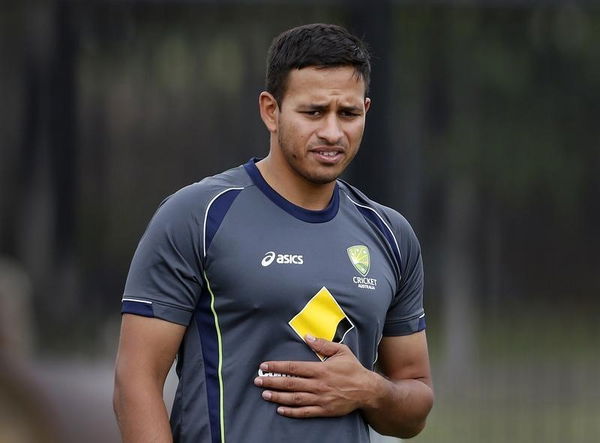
column 269, row 257
column 282, row 259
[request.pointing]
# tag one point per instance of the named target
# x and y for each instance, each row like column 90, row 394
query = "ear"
column 367, row 104
column 268, row 111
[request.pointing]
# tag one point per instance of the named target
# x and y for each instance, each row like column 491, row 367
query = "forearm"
column 397, row 405
column 141, row 413
column 398, row 408
column 147, row 348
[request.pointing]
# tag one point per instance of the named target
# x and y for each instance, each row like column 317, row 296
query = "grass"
column 531, row 378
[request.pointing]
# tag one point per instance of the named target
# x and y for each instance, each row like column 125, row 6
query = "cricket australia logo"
column 361, row 260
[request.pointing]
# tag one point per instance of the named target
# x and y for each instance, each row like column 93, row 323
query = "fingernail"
column 280, row 410
column 266, row 395
column 264, row 366
column 258, row 381
column 309, row 338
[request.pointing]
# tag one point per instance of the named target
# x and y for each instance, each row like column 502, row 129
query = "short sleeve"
column 165, row 276
column 406, row 315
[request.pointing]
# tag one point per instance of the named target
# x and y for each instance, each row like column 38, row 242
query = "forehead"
column 324, row 83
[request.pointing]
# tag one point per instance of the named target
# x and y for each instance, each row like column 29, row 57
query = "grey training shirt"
column 249, row 274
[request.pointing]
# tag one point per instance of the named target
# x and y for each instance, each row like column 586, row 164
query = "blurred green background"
column 483, row 132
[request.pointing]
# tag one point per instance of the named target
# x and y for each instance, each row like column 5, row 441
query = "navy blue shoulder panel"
column 300, row 213
column 371, row 215
column 216, row 212
column 365, row 207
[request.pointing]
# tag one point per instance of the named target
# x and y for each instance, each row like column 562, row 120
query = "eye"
column 312, row 113
column 349, row 114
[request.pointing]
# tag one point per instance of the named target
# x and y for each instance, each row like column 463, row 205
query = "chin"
column 321, row 179
column 319, row 174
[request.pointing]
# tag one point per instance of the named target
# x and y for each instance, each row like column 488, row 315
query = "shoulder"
column 397, row 231
column 194, row 199
column 395, row 221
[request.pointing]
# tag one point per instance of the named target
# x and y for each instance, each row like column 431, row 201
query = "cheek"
column 356, row 133
column 297, row 135
column 290, row 131
column 303, row 134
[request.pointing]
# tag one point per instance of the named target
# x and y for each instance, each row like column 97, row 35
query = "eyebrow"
column 318, row 107
column 351, row 108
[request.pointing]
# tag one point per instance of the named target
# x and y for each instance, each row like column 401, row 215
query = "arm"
column 403, row 397
column 147, row 348
column 395, row 403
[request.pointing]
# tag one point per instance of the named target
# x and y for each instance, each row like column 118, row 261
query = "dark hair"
column 320, row 45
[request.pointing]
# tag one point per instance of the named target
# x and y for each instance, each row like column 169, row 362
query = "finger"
column 298, row 384
column 303, row 412
column 293, row 368
column 324, row 347
column 290, row 398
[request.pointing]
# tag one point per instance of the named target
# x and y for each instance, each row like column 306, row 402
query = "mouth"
column 327, row 155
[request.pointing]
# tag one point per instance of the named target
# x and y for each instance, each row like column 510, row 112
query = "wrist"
column 375, row 390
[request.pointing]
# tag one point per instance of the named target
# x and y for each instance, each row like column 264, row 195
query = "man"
column 277, row 285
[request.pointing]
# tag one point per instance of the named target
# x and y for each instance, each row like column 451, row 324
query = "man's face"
column 321, row 121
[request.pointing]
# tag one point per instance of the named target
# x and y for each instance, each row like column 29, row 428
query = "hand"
column 334, row 387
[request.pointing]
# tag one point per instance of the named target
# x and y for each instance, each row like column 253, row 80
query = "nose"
column 330, row 130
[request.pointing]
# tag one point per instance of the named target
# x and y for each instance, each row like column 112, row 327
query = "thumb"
column 321, row 346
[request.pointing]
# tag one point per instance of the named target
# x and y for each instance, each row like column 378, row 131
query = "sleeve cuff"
column 153, row 309
column 405, row 326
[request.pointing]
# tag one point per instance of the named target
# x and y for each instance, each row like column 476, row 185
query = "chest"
column 267, row 265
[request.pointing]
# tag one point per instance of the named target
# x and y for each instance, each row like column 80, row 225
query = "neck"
column 293, row 187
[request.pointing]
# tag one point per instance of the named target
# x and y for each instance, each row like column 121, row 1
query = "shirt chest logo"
column 322, row 317
column 361, row 260
column 282, row 259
